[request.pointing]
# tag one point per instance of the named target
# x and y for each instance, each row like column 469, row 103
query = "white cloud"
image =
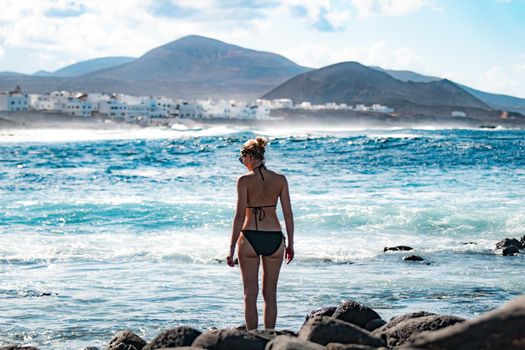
column 498, row 79
column 369, row 8
column 1, row 51
column 375, row 54
column 519, row 64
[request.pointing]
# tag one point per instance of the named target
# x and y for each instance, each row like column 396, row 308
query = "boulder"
column 183, row 348
column 398, row 248
column 355, row 313
column 284, row 342
column 339, row 346
column 507, row 242
column 272, row 333
column 502, row 328
column 175, row 337
column 17, row 347
column 380, row 332
column 324, row 330
column 230, row 339
column 126, row 340
column 374, row 324
column 325, row 311
column 522, row 241
column 400, row 333
column 413, row 258
column 510, row 251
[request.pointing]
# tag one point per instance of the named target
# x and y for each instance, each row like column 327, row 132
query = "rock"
column 507, row 242
column 398, row 334
column 272, row 333
column 413, row 258
column 284, row 342
column 183, row 348
column 126, row 340
column 374, row 324
column 17, row 347
column 230, row 339
column 339, row 346
column 175, row 337
column 324, row 330
column 398, row 248
column 502, row 328
column 394, row 321
column 465, row 243
column 325, row 311
column 522, row 241
column 510, row 251
column 90, row 348
column 355, row 313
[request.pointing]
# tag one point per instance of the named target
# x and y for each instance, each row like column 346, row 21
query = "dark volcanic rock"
column 325, row 311
column 398, row 334
column 284, row 342
column 355, row 313
column 374, row 324
column 183, row 348
column 522, row 241
column 230, row 339
column 502, row 328
column 507, row 242
column 175, row 337
column 394, row 321
column 324, row 330
column 126, row 340
column 338, row 346
column 398, row 248
column 413, row 258
column 510, row 251
column 272, row 333
column 17, row 347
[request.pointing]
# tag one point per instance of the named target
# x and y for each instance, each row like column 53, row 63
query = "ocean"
column 108, row 230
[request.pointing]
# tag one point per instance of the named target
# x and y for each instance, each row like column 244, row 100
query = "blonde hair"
column 256, row 147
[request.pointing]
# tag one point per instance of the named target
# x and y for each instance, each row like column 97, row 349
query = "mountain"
column 199, row 59
column 191, row 67
column 406, row 75
column 353, row 83
column 498, row 101
column 11, row 74
column 89, row 66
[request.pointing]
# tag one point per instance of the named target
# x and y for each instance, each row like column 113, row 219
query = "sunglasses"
column 243, row 154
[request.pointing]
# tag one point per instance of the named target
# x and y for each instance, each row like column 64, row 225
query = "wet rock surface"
column 355, row 313
column 500, row 329
column 175, row 337
column 400, row 332
column 230, row 339
column 324, row 330
column 126, row 340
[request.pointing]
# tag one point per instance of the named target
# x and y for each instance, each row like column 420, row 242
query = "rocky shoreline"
column 348, row 326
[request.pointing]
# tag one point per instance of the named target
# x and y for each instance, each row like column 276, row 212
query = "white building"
column 44, row 103
column 458, row 114
column 282, row 103
column 78, row 106
column 14, row 100
column 113, row 108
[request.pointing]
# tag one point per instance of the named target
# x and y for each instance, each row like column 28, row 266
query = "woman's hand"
column 229, row 258
column 289, row 253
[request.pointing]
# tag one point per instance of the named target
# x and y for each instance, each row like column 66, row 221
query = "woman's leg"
column 249, row 264
column 271, row 268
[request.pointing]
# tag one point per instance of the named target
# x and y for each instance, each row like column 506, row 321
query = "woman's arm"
column 286, row 205
column 238, row 219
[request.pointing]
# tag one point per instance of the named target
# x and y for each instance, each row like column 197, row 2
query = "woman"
column 257, row 232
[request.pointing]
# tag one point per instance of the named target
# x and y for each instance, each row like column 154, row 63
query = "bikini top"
column 258, row 211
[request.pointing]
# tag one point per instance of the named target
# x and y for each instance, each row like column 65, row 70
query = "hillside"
column 353, row 83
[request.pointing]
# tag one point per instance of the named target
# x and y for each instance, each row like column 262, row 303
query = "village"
column 133, row 108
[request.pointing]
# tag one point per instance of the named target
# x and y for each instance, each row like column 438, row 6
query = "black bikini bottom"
column 264, row 242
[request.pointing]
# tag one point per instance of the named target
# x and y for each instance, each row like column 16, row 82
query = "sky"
column 479, row 43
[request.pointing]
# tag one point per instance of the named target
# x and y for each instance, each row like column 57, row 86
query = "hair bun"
column 261, row 142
